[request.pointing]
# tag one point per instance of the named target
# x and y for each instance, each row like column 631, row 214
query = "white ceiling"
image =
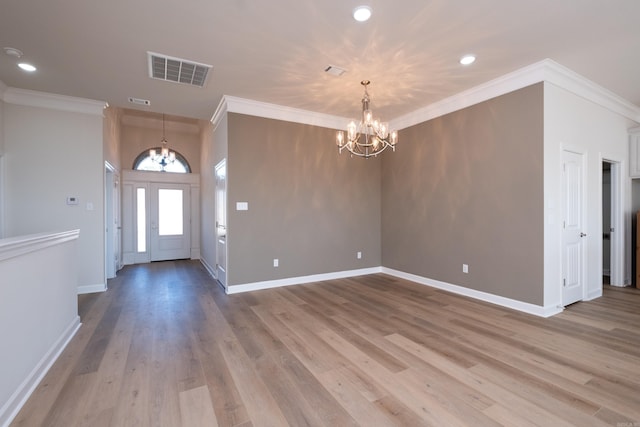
column 276, row 51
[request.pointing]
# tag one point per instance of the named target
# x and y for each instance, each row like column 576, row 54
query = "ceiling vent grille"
column 177, row 70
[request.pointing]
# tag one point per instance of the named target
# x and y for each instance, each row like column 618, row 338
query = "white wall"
column 2, row 202
column 575, row 123
column 38, row 311
column 1, row 122
column 52, row 153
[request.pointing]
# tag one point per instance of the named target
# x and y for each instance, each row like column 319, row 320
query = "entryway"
column 160, row 216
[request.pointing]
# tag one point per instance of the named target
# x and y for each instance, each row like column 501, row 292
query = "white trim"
column 20, row 245
column 525, row 307
column 32, row 98
column 11, row 408
column 267, row 284
column 221, row 111
column 232, row 104
column 593, row 295
column 545, row 70
column 208, row 267
column 89, row 289
column 2, row 189
column 131, row 176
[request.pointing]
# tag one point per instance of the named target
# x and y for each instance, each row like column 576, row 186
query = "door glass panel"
column 141, row 219
column 170, row 212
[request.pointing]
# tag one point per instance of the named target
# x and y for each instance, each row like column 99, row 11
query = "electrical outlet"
column 276, row 262
column 465, row 268
column 359, row 255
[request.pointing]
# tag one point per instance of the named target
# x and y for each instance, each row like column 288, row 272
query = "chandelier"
column 164, row 157
column 370, row 137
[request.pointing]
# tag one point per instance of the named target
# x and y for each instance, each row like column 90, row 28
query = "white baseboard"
column 255, row 286
column 11, row 408
column 536, row 310
column 209, row 268
column 594, row 294
column 89, row 289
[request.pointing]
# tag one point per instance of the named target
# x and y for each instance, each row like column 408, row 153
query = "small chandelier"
column 370, row 137
column 165, row 157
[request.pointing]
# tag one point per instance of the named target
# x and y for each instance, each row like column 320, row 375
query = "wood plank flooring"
column 164, row 346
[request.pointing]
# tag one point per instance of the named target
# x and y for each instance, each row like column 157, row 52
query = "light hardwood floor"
column 164, row 346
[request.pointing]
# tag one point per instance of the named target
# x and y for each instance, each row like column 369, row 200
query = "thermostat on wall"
column 72, row 200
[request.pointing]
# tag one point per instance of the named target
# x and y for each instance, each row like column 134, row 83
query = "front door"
column 170, row 221
column 573, row 234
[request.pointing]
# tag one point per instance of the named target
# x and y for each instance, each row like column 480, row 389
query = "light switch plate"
column 242, row 206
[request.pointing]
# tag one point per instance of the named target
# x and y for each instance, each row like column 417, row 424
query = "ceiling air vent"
column 177, row 70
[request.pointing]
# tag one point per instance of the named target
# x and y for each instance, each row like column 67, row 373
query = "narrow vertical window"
column 141, row 219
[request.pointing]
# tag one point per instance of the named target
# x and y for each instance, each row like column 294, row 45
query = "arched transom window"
column 144, row 162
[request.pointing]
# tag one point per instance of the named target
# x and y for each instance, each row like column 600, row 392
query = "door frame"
column 223, row 282
column 112, row 246
column 132, row 179
column 616, row 262
column 155, row 240
column 2, row 195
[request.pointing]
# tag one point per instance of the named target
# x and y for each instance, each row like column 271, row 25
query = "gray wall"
column 310, row 207
column 467, row 187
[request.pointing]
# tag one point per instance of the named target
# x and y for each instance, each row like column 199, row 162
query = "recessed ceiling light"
column 467, row 59
column 362, row 13
column 27, row 67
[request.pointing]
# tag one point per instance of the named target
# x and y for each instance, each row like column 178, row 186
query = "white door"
column 221, row 222
column 573, row 234
column 113, row 259
column 170, row 223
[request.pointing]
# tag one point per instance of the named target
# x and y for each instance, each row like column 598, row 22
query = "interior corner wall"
column 577, row 124
column 111, row 137
column 51, row 155
column 310, row 207
column 214, row 150
column 467, row 188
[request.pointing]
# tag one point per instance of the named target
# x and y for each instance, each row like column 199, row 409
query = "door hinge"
column 564, row 283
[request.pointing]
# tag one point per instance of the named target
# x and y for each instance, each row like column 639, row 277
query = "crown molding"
column 567, row 79
column 232, row 104
column 543, row 71
column 32, row 98
column 546, row 70
column 221, row 111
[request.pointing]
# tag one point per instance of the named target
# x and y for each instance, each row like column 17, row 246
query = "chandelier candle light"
column 370, row 137
column 165, row 156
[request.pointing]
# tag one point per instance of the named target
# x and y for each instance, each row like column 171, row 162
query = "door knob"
column 583, row 234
